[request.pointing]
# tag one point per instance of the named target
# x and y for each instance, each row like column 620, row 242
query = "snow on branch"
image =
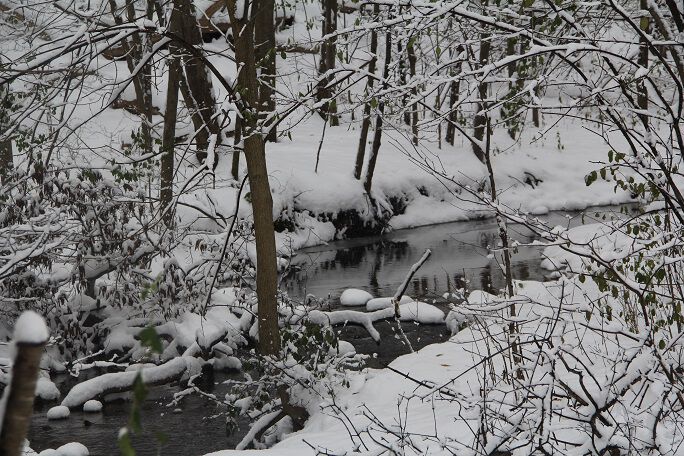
column 123, row 381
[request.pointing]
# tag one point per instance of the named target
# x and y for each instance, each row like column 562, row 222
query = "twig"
column 400, row 292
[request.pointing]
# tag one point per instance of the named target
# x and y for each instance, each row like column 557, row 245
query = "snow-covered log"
column 123, row 381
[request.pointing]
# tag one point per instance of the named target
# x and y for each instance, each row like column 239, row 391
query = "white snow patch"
column 383, row 303
column 421, row 312
column 46, row 389
column 30, row 328
column 70, row 449
column 355, row 297
column 58, row 412
column 92, row 406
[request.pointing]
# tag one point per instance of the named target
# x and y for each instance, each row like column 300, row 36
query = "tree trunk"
column 377, row 137
column 133, row 52
column 196, row 85
column 481, row 117
column 411, row 53
column 642, row 92
column 19, row 407
column 262, row 202
column 454, row 92
column 328, row 109
column 169, row 141
column 266, row 59
column 365, row 123
column 237, row 147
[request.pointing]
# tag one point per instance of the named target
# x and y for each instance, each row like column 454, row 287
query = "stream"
column 460, row 259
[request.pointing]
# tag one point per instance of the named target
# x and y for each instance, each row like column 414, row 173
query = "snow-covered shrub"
column 308, row 371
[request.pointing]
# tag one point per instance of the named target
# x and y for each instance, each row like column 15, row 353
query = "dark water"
column 460, row 259
column 185, row 429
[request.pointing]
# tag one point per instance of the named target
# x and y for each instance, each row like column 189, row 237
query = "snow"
column 46, row 389
column 30, row 328
column 383, row 303
column 59, row 412
column 354, row 297
column 123, row 381
column 70, row 449
column 439, row 423
column 92, row 406
column 421, row 312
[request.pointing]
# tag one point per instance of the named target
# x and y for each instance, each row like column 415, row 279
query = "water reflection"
column 461, row 259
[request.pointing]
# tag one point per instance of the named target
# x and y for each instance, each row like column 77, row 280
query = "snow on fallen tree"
column 419, row 312
column 120, row 382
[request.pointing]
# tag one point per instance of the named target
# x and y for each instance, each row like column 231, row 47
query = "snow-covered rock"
column 59, row 412
column 70, row 449
column 355, row 297
column 343, row 348
column 421, row 312
column 226, row 363
column 46, row 389
column 384, row 303
column 92, row 406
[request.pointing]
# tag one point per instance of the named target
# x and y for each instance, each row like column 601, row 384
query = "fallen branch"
column 402, row 289
column 120, row 382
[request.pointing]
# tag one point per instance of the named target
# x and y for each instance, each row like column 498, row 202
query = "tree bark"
column 196, row 85
column 480, row 121
column 377, row 136
column 19, row 407
column 411, row 53
column 642, row 92
column 328, row 109
column 169, row 141
column 262, row 202
column 365, row 123
column 454, row 92
column 266, row 59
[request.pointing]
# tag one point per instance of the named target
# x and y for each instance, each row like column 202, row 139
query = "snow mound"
column 355, row 297
column 46, row 389
column 383, row 303
column 421, row 312
column 70, row 449
column 343, row 348
column 92, row 406
column 481, row 297
column 30, row 328
column 58, row 412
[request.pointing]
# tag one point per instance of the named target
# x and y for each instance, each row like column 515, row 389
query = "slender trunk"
column 169, row 140
column 235, row 164
column 481, row 116
column 196, row 85
column 365, row 123
column 6, row 158
column 411, row 52
column 642, row 92
column 454, row 91
column 503, row 236
column 144, row 97
column 266, row 59
column 262, row 202
column 324, row 92
column 512, row 85
column 377, row 136
column 536, row 114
